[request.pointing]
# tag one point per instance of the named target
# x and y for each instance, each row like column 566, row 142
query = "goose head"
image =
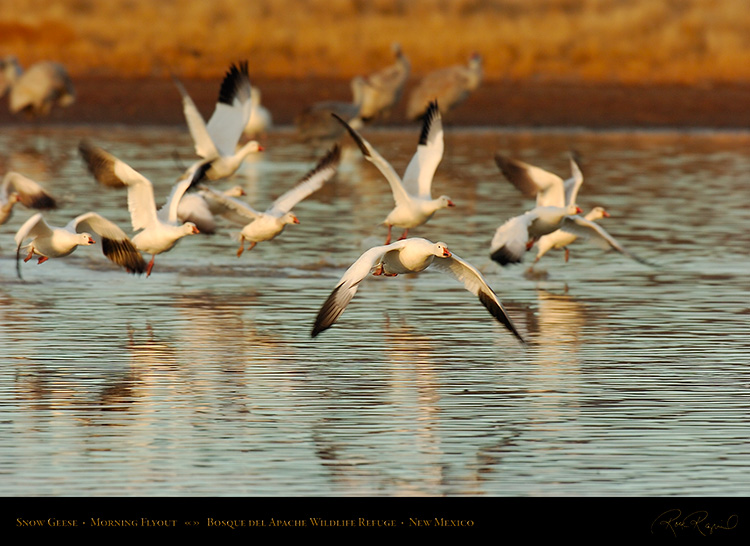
column 444, row 201
column 289, row 218
column 440, row 250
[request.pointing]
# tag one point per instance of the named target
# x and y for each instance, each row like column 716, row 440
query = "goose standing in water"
column 17, row 188
column 413, row 197
column 37, row 90
column 449, row 86
column 383, row 89
column 158, row 231
column 409, row 256
column 55, row 242
column 216, row 141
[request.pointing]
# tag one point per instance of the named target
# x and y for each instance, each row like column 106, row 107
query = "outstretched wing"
column 347, row 286
column 509, row 242
column 421, row 169
column 232, row 109
column 311, row 182
column 580, row 226
column 33, row 227
column 399, row 192
column 475, row 283
column 547, row 187
column 232, row 209
column 111, row 171
column 573, row 184
column 30, row 193
column 116, row 245
column 204, row 144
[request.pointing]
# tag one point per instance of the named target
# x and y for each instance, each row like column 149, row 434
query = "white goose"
column 450, row 86
column 550, row 189
column 17, row 188
column 260, row 120
column 414, row 202
column 55, row 242
column 159, row 231
column 35, row 91
column 517, row 235
column 409, row 256
column 264, row 226
column 201, row 208
column 216, row 141
column 584, row 227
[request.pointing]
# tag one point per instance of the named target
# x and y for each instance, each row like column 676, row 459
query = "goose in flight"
column 264, row 226
column 201, row 208
column 55, row 242
column 37, row 90
column 158, row 231
column 17, row 188
column 449, row 86
column 216, row 141
column 550, row 189
column 585, row 227
column 518, row 234
column 412, row 195
column 383, row 89
column 409, row 256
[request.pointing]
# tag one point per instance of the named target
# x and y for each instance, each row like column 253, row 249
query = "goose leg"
column 150, row 265
column 567, row 254
column 388, row 239
column 404, row 234
column 42, row 259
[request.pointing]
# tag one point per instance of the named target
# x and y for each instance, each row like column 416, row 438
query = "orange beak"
column 296, row 220
column 450, row 203
column 447, row 253
column 605, row 214
column 91, row 241
column 195, row 230
column 578, row 210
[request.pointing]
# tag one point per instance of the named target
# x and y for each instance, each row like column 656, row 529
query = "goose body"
column 263, row 226
column 414, row 204
column 55, row 242
column 450, row 86
column 17, row 188
column 158, row 231
column 409, row 256
column 37, row 90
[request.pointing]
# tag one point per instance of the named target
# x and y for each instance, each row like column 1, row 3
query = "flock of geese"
column 193, row 206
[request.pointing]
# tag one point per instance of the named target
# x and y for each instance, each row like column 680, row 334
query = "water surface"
column 203, row 378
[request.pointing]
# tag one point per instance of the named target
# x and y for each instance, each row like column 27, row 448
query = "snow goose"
column 383, row 89
column 518, row 234
column 264, row 226
column 35, row 91
column 548, row 188
column 414, row 202
column 17, row 188
column 449, row 86
column 409, row 256
column 216, row 141
column 315, row 125
column 260, row 119
column 201, row 208
column 55, row 242
column 159, row 230
column 584, row 227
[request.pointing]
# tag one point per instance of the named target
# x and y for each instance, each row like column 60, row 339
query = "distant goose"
column 260, row 120
column 37, row 90
column 409, row 256
column 17, row 188
column 449, row 86
column 315, row 124
column 160, row 231
column 413, row 197
column 216, row 141
column 55, row 242
column 517, row 235
column 383, row 89
column 264, row 226
column 202, row 207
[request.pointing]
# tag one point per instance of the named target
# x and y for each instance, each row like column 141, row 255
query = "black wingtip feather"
column 353, row 133
column 329, row 312
column 504, row 257
column 99, row 163
column 123, row 253
column 496, row 311
column 233, row 82
column 428, row 118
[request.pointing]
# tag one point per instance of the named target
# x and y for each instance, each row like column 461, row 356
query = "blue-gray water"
column 203, row 378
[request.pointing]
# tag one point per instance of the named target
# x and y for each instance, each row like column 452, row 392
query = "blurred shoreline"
column 155, row 101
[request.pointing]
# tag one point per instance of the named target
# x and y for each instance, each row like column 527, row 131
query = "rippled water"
column 203, row 378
